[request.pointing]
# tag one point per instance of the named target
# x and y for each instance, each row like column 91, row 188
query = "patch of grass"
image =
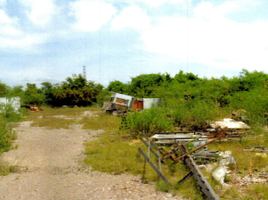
column 105, row 122
column 68, row 116
column 231, row 193
column 252, row 160
column 5, row 169
column 53, row 123
column 256, row 191
column 113, row 154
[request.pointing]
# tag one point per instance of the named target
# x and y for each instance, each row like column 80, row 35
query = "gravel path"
column 48, row 162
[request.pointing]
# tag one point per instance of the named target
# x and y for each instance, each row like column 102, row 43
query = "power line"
column 84, row 72
column 187, row 37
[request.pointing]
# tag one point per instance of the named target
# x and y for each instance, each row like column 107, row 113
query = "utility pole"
column 84, row 72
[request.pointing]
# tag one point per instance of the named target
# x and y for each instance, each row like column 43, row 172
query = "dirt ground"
column 49, row 168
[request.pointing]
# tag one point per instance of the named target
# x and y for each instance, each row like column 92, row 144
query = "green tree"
column 117, row 86
column 76, row 91
column 33, row 95
column 146, row 84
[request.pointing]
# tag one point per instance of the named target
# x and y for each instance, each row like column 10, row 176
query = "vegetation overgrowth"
column 115, row 151
column 187, row 101
column 186, row 98
column 7, row 135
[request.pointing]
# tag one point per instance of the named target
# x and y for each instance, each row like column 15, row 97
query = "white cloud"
column 90, row 15
column 207, row 10
column 22, row 41
column 213, row 39
column 131, row 17
column 157, row 3
column 5, row 19
column 11, row 36
column 168, row 38
column 39, row 12
column 9, row 30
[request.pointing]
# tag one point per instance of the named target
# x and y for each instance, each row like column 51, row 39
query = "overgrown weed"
column 6, row 137
column 150, row 121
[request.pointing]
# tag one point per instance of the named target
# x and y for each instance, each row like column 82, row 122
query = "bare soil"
column 49, row 167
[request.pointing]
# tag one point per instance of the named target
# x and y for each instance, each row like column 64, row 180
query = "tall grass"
column 149, row 121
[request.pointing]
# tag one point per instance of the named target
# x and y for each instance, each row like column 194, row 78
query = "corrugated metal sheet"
column 149, row 102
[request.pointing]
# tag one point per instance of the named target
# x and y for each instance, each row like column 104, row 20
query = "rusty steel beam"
column 201, row 180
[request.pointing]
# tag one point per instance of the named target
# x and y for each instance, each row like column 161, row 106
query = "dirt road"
column 49, row 169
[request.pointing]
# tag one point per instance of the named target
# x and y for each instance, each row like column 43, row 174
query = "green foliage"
column 74, row 91
column 144, row 85
column 183, row 78
column 3, row 89
column 117, row 86
column 33, row 95
column 8, row 114
column 6, row 137
column 151, row 121
column 254, row 102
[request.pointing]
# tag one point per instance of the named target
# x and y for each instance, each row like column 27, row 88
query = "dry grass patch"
column 55, row 118
column 103, row 121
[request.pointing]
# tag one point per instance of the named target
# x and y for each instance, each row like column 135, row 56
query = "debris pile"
column 191, row 148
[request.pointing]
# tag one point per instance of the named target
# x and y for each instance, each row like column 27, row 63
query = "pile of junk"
column 192, row 148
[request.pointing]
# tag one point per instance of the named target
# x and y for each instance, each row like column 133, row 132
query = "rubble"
column 230, row 124
column 219, row 174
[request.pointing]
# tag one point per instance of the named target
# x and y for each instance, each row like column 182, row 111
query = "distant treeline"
column 185, row 94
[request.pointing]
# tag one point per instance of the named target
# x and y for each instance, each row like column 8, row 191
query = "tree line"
column 186, row 97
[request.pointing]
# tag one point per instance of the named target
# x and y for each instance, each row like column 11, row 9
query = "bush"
column 6, row 136
column 8, row 114
column 151, row 121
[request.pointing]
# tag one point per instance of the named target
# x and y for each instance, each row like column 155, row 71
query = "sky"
column 118, row 39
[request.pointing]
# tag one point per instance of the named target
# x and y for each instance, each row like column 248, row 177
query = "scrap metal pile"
column 199, row 141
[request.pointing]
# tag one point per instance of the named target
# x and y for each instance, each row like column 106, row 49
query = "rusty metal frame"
column 220, row 133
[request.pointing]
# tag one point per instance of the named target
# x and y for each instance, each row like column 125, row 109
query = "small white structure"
column 13, row 101
column 149, row 102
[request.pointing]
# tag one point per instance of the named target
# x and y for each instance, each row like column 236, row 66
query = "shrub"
column 6, row 136
column 8, row 114
column 151, row 121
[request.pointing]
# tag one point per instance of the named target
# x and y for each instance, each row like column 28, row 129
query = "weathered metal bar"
column 146, row 144
column 185, row 178
column 201, row 180
column 145, row 136
column 154, row 167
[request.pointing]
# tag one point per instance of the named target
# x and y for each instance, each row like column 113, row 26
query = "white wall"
column 149, row 102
